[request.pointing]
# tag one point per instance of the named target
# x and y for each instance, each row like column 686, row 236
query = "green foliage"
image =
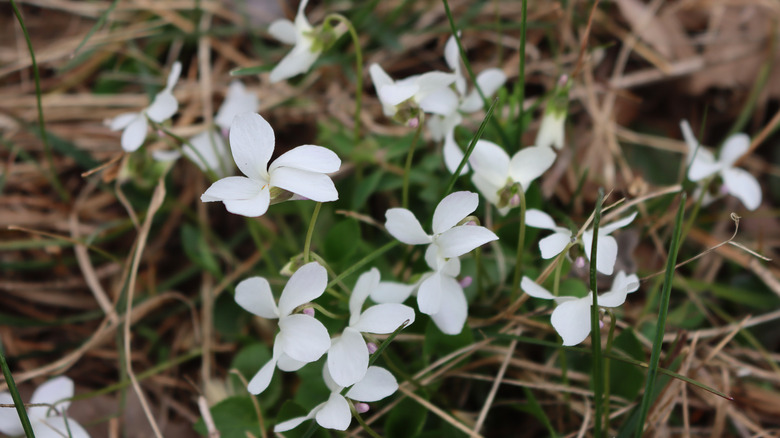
column 233, row 417
column 406, row 419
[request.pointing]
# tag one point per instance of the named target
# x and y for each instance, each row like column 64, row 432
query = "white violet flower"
column 335, row 413
column 306, row 48
column 47, row 421
column 209, row 151
column 737, row 182
column 163, row 107
column 238, row 100
column 348, row 354
column 301, row 338
column 551, row 131
column 571, row 317
column 408, row 96
column 496, row 175
column 554, row 244
column 301, row 171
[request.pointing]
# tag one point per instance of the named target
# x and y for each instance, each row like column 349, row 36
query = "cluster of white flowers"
column 47, row 420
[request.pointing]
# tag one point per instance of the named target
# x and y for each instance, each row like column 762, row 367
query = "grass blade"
column 595, row 329
column 470, row 149
column 9, row 380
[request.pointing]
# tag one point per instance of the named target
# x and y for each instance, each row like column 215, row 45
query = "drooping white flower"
column 163, row 106
column 209, row 151
column 552, row 245
column 301, row 338
column 300, row 171
column 377, row 384
column 414, row 93
column 551, row 131
column 348, row 354
column 496, row 175
column 737, row 182
column 47, row 421
column 571, row 317
column 442, row 126
column 305, row 48
column 238, row 100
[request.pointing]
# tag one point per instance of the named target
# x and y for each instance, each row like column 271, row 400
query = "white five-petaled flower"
column 442, row 126
column 737, row 182
column 417, row 91
column 348, row 354
column 552, row 245
column 162, row 108
column 496, row 175
column 300, row 171
column 571, row 317
column 439, row 294
column 377, row 384
column 304, row 52
column 46, row 421
column 301, row 338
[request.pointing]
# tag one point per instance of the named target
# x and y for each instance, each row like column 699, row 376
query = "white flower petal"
column 163, row 107
column 530, row 163
column 252, row 143
column 238, row 100
column 390, row 292
column 703, row 165
column 402, row 225
column 429, row 295
column 453, row 209
column 284, row 31
column 452, row 154
column 384, row 318
column 232, row 187
column 123, row 120
column 690, row 138
column 55, row 427
column 311, row 185
column 292, row 423
column 301, row 23
column 734, row 147
column 377, row 384
column 572, row 320
column 335, row 413
column 612, row 226
column 462, row 239
column 452, row 54
column 302, row 337
column 209, row 151
column 621, row 286
column 262, row 378
column 429, row 82
column 441, row 101
column 489, row 81
column 173, row 76
column 298, row 61
column 348, row 358
column 252, row 207
column 254, row 295
column 396, row 93
column 453, row 309
column 134, row 134
column 551, row 131
column 487, row 186
column 51, row 392
column 288, row 364
column 539, row 219
column 366, row 283
column 491, row 162
column 379, row 77
column 9, row 419
column 743, row 186
column 554, row 244
column 310, row 158
column 537, row 291
column 606, row 254
column 305, row 285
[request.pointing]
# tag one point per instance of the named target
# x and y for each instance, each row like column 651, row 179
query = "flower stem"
column 310, row 233
column 362, row 422
column 9, row 379
column 595, row 328
column 520, row 90
column 520, row 244
column 607, row 353
column 358, row 70
column 408, row 166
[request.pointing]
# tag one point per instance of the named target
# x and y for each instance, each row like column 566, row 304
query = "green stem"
column 408, row 165
column 364, row 261
column 520, row 244
column 666, row 293
column 363, row 424
column 41, row 124
column 20, row 410
column 607, row 353
column 595, row 329
column 520, row 90
column 470, row 148
column 310, row 233
column 358, row 70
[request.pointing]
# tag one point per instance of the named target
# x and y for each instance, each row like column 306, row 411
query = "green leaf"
column 406, row 419
column 341, row 241
column 248, row 361
column 438, row 344
column 233, row 417
column 534, row 408
column 197, row 250
column 626, row 380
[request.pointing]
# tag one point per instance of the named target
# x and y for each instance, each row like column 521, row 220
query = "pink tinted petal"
column 308, row 157
column 377, row 384
column 462, row 239
column 348, row 358
column 303, row 338
column 163, row 107
column 402, row 225
column 572, row 320
column 743, row 186
column 530, row 163
column 453, row 309
column 366, row 283
column 735, row 147
column 305, row 285
column 134, row 134
column 311, row 185
column 384, row 318
column 254, row 295
column 390, row 292
column 233, row 187
column 554, row 244
column 335, row 413
column 9, row 419
column 284, row 31
column 429, row 295
column 262, row 378
column 453, row 209
column 252, row 143
column 537, row 291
